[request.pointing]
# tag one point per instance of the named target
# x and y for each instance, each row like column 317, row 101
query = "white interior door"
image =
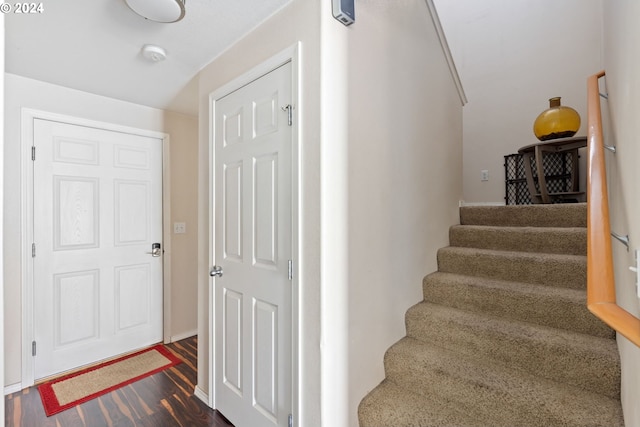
column 253, row 245
column 97, row 212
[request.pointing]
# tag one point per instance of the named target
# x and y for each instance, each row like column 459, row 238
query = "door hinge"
column 290, row 270
column 33, row 250
column 33, row 152
column 289, row 109
column 33, row 348
column 290, row 420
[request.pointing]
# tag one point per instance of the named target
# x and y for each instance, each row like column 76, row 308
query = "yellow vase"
column 556, row 122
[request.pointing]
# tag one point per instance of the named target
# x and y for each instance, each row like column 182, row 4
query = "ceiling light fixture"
column 165, row 11
column 153, row 53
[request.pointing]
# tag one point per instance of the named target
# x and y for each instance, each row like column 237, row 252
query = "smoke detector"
column 164, row 11
column 153, row 53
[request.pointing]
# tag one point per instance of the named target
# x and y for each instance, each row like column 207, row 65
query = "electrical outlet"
column 179, row 228
column 484, row 175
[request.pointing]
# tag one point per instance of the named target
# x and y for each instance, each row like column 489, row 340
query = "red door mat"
column 73, row 389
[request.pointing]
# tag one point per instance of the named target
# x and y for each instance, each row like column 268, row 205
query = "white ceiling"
column 94, row 46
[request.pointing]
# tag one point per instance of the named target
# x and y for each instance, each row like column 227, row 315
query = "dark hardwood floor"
column 162, row 400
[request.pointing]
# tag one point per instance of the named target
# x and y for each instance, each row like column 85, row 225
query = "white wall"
column 512, row 57
column 404, row 175
column 183, row 131
column 334, row 195
column 622, row 65
column 2, row 141
column 22, row 92
column 299, row 21
column 380, row 160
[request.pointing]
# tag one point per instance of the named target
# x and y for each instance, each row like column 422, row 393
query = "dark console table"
column 536, row 152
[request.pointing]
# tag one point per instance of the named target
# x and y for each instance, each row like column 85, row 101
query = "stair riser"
column 541, row 309
column 389, row 405
column 486, row 407
column 494, row 398
column 566, row 215
column 525, row 350
column 571, row 241
column 561, row 270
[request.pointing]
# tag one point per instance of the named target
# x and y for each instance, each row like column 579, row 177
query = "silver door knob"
column 156, row 251
column 216, row 271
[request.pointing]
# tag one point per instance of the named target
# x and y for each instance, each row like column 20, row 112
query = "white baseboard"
column 184, row 335
column 200, row 394
column 13, row 388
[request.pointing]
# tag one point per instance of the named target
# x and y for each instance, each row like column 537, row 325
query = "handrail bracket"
column 622, row 239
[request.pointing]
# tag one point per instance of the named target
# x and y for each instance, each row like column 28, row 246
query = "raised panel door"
column 97, row 210
column 253, row 244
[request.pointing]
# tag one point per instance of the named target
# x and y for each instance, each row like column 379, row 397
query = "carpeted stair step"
column 568, row 271
column 553, row 215
column 588, row 362
column 492, row 394
column 503, row 336
column 556, row 240
column 390, row 405
column 547, row 306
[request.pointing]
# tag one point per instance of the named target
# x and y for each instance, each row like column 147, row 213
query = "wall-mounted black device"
column 344, row 11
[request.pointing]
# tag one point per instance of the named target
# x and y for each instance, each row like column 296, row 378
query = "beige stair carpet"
column 503, row 336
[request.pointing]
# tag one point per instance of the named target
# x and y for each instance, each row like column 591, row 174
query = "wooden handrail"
column 601, row 292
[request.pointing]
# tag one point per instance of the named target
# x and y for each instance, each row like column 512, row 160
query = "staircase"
column 503, row 336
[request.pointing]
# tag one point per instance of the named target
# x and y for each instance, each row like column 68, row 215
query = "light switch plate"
column 179, row 228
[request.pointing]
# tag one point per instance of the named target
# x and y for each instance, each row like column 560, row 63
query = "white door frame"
column 292, row 54
column 27, row 223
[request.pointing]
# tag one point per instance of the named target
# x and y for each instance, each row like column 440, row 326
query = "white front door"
column 97, row 212
column 253, row 246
